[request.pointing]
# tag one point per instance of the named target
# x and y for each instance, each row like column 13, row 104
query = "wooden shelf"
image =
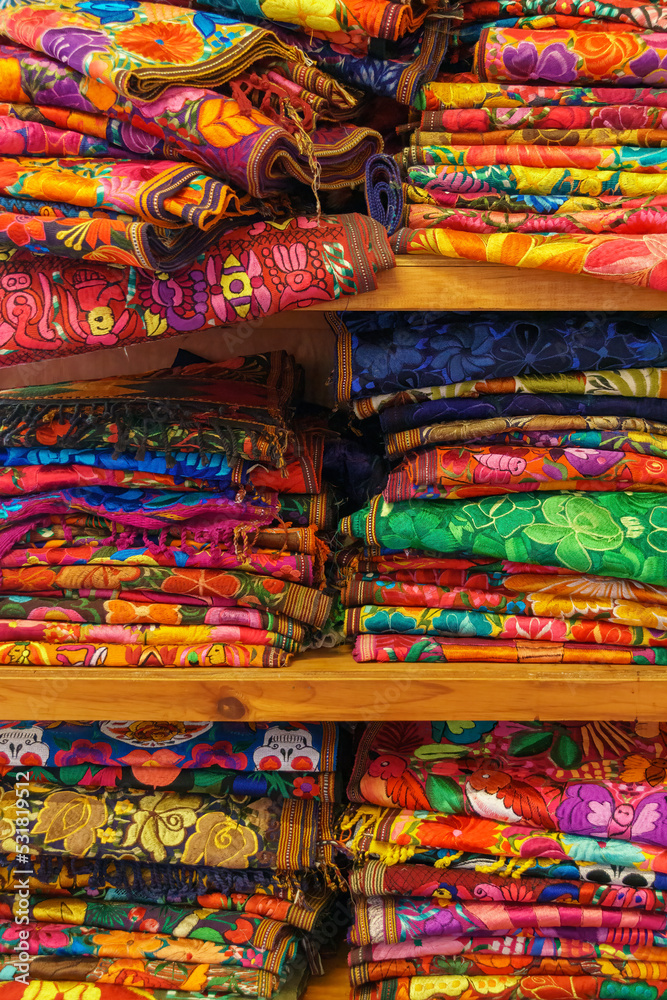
column 329, row 685
column 435, row 283
column 335, row 983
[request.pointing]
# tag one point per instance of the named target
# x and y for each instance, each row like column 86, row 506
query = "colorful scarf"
column 386, row 352
column 649, row 16
column 439, row 861
column 325, row 786
column 258, row 152
column 141, row 53
column 471, row 430
column 72, row 311
column 224, row 588
column 544, row 774
column 571, row 415
column 474, row 884
column 167, row 194
column 379, row 620
column 62, row 875
column 601, row 159
column 121, row 611
column 468, row 91
column 638, row 382
column 456, row 473
column 656, row 138
column 393, row 921
column 231, row 407
column 176, row 745
column 172, row 827
column 613, row 119
column 15, row 989
column 641, row 220
column 244, row 941
column 579, row 531
column 480, row 963
column 155, row 975
column 506, row 987
column 522, row 594
column 570, row 57
column 412, row 649
column 396, row 835
column 501, row 178
column 378, row 19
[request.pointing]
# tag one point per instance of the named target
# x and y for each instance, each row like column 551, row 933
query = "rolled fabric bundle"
column 384, row 192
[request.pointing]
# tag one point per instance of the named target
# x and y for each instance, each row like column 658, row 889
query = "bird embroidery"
column 493, row 794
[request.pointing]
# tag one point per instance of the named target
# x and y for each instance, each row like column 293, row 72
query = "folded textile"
column 162, row 978
column 16, row 989
column 491, row 963
column 454, row 473
column 177, row 745
column 378, row 19
column 440, row 986
column 142, row 52
column 231, row 940
column 566, row 57
column 325, row 786
column 414, row 621
column 474, row 884
column 374, row 829
column 639, row 382
column 225, row 135
column 399, row 648
column 602, row 159
column 73, row 310
column 641, row 220
column 486, row 589
column 173, row 827
column 647, row 16
column 581, row 531
column 501, row 178
column 471, row 92
column 62, row 875
column 532, row 771
column 390, row 351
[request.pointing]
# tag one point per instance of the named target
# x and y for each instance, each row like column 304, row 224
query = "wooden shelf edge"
column 436, row 283
column 328, row 685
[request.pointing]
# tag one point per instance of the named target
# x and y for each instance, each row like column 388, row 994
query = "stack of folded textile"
column 154, row 137
column 543, row 142
column 194, row 857
column 170, row 519
column 513, row 860
column 387, row 47
column 525, row 517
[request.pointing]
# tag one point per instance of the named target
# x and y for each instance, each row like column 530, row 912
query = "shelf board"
column 335, row 983
column 436, row 283
column 330, row 685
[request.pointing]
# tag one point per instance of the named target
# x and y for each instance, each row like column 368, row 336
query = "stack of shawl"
column 193, row 857
column 544, row 142
column 512, row 860
column 169, row 519
column 385, row 47
column 132, row 134
column 525, row 516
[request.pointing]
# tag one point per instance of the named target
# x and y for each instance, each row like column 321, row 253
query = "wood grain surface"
column 329, row 685
column 436, row 283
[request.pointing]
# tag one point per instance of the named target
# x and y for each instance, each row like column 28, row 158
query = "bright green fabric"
column 608, row 534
